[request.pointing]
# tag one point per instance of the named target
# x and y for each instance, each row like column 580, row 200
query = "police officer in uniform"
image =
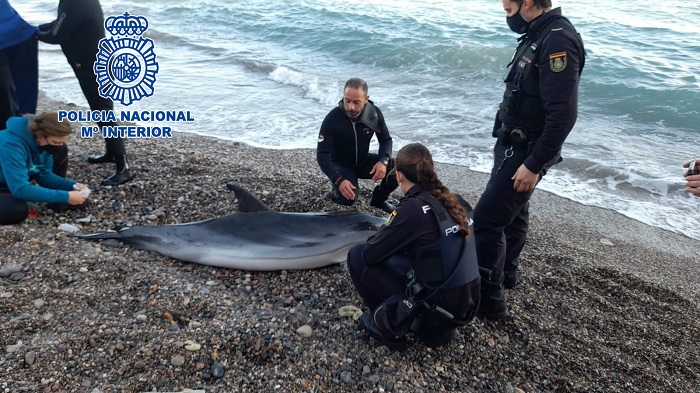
column 539, row 109
column 419, row 272
column 343, row 147
column 78, row 29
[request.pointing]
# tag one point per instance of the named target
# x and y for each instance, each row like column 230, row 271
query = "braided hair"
column 47, row 125
column 416, row 163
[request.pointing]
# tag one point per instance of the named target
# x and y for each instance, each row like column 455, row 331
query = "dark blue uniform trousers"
column 19, row 79
column 500, row 223
column 376, row 283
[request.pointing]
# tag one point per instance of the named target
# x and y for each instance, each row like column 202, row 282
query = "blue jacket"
column 13, row 29
column 21, row 160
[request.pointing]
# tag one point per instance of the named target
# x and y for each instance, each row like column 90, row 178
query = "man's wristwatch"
column 385, row 161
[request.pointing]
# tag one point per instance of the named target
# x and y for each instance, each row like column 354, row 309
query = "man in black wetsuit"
column 343, row 147
column 539, row 109
column 78, row 29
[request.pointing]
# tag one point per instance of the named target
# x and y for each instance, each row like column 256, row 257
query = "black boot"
column 493, row 305
column 386, row 206
column 367, row 323
column 123, row 174
column 379, row 200
column 381, row 193
column 100, row 159
column 381, row 203
column 510, row 279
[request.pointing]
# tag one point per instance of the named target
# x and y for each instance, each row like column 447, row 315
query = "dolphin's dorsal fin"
column 247, row 202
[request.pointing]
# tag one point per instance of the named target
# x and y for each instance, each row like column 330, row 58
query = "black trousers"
column 60, row 161
column 379, row 282
column 353, row 173
column 114, row 146
column 12, row 210
column 8, row 101
column 501, row 219
column 19, row 80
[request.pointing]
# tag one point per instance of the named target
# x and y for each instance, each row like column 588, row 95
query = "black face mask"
column 517, row 23
column 51, row 149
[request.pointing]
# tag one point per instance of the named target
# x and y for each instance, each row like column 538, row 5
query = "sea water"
column 267, row 72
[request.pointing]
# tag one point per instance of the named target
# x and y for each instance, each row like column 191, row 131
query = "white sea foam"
column 266, row 74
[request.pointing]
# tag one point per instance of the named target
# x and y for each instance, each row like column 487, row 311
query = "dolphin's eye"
column 364, row 226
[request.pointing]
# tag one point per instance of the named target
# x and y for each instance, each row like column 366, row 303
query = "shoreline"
column 587, row 317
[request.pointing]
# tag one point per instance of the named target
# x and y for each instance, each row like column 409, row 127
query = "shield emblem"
column 557, row 62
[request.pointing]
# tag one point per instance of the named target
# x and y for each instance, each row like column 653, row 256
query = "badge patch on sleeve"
column 391, row 218
column 557, row 62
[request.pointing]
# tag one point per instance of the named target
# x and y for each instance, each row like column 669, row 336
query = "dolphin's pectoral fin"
column 247, row 202
column 141, row 242
column 96, row 236
column 305, row 245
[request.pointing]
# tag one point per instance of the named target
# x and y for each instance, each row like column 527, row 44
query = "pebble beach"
column 605, row 303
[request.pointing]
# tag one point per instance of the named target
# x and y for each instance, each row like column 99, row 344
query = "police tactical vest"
column 522, row 104
column 451, row 257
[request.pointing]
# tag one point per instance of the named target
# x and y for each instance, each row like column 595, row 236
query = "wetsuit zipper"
column 354, row 131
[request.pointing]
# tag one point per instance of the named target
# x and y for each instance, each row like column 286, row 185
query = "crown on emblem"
column 126, row 24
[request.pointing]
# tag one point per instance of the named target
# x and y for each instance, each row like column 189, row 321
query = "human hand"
column 524, row 180
column 378, row 171
column 346, row 188
column 82, row 188
column 76, row 198
column 692, row 182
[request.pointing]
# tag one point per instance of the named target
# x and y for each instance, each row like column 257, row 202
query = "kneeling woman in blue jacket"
column 26, row 164
column 419, row 272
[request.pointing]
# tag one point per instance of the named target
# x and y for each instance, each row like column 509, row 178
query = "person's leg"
column 498, row 206
column 435, row 329
column 12, row 210
column 377, row 283
column 60, row 161
column 8, row 103
column 115, row 149
column 24, row 65
column 516, row 234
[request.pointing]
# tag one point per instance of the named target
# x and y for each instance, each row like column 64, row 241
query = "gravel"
column 89, row 317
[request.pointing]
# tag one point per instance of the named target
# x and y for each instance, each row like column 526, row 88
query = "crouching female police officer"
column 419, row 272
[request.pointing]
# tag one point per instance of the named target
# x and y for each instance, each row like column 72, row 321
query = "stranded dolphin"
column 255, row 237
